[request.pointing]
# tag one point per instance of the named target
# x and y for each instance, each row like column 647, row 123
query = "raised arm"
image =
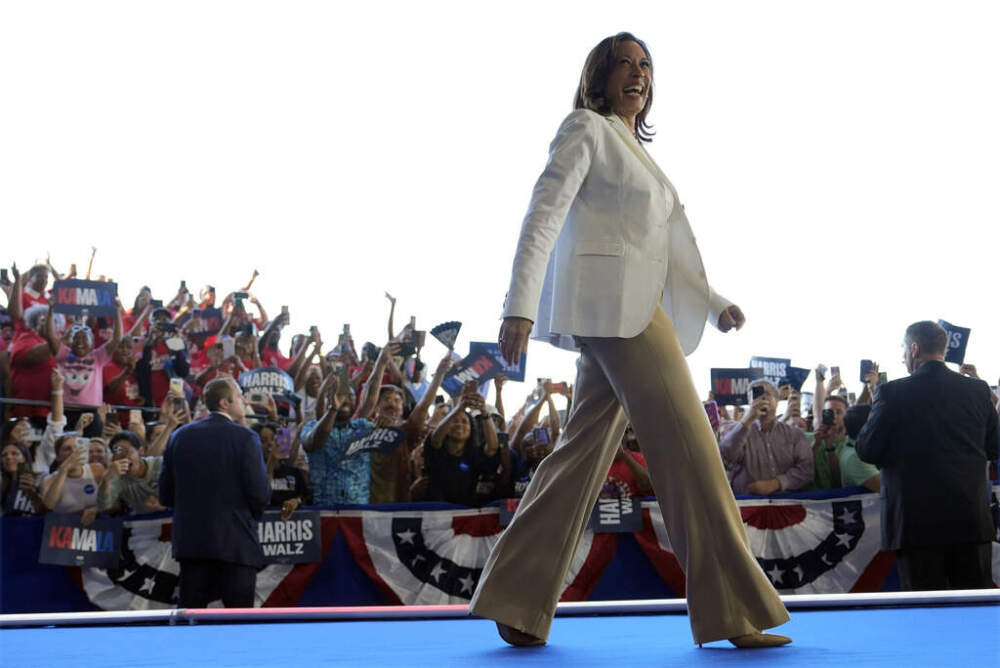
column 530, row 419
column 392, row 312
column 554, row 425
column 418, row 416
column 369, row 397
column 436, row 439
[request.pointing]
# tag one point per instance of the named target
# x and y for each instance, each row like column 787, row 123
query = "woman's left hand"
column 731, row 318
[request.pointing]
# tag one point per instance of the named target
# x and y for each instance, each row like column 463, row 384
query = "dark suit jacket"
column 931, row 435
column 215, row 479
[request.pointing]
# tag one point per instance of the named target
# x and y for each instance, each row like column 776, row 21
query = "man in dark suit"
column 215, row 479
column 932, row 434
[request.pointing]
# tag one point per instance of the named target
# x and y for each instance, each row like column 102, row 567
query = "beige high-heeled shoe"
column 518, row 638
column 758, row 640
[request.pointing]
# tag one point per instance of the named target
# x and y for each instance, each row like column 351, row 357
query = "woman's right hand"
column 513, row 338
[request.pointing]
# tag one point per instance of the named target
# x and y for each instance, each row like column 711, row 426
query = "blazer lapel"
column 633, row 145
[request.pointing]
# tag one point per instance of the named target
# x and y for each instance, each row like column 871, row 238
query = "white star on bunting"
column 437, row 572
column 775, row 574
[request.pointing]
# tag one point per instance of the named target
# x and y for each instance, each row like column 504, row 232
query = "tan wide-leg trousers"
column 727, row 592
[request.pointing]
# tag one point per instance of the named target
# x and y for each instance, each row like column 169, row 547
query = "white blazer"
column 605, row 240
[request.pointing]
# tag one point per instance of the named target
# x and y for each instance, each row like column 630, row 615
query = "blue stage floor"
column 907, row 637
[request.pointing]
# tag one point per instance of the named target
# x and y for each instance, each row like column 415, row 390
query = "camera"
column 827, row 417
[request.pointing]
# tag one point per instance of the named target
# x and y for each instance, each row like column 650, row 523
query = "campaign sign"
column 507, row 509
column 730, row 386
column 796, row 377
column 268, row 379
column 483, row 362
column 958, row 339
column 775, row 368
column 383, row 439
column 616, row 516
column 66, row 542
column 292, row 541
column 76, row 297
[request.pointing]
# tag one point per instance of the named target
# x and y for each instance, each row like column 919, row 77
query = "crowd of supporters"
column 91, row 402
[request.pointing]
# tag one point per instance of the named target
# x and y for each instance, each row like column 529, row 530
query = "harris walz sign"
column 292, row 541
column 483, row 362
column 66, row 542
column 78, row 297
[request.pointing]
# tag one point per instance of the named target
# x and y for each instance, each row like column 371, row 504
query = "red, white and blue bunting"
column 428, row 557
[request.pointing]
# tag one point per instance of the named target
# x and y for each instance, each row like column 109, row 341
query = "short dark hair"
column 930, row 336
column 216, row 390
column 390, row 388
column 126, row 435
column 594, row 78
column 841, row 398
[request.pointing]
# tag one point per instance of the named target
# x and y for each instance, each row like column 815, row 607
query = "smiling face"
column 82, row 342
column 390, row 404
column 460, row 428
column 11, row 458
column 629, row 80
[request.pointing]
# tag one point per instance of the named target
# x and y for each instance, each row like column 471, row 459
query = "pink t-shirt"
column 84, row 378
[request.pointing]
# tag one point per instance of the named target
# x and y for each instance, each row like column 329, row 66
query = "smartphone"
column 156, row 303
column 413, row 322
column 228, row 347
column 23, row 467
column 822, row 371
column 313, row 330
column 712, row 410
column 177, row 386
column 284, row 312
column 503, row 439
column 541, row 435
column 407, row 348
column 257, row 398
column 283, row 439
column 83, row 447
column 756, row 391
column 3, row 276
column 184, row 286
column 347, row 330
column 420, row 338
column 134, row 415
column 834, row 371
column 883, row 377
column 240, row 295
column 867, row 366
column 827, row 418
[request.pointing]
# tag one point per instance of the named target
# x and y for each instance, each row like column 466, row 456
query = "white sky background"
column 838, row 161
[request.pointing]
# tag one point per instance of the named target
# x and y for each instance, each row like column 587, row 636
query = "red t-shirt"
column 272, row 357
column 620, row 482
column 29, row 381
column 27, row 301
column 127, row 394
column 159, row 380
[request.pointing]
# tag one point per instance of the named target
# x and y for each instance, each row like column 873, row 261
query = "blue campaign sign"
column 66, row 542
column 78, row 297
column 483, row 362
column 796, row 377
column 513, row 372
column 958, row 339
column 383, row 439
column 730, row 386
column 775, row 368
column 507, row 509
column 292, row 541
column 621, row 515
column 268, row 379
